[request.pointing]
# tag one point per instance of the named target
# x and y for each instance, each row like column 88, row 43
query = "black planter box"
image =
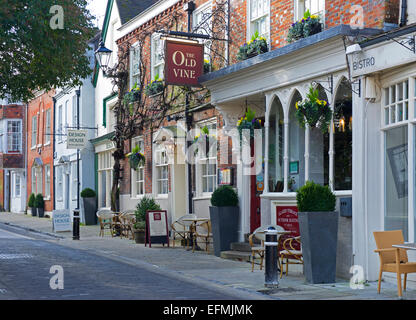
column 40, row 212
column 90, row 211
column 319, row 236
column 224, row 222
column 33, row 211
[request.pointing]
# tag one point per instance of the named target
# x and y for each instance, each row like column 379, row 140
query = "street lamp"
column 102, row 54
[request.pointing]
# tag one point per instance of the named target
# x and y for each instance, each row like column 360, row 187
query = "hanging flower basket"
column 257, row 45
column 155, row 87
column 248, row 121
column 314, row 112
column 307, row 26
column 136, row 159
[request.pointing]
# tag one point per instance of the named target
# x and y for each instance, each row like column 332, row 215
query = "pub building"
column 384, row 142
column 271, row 84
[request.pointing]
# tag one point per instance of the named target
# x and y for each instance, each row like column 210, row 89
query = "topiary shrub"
column 88, row 193
column 39, row 203
column 31, row 202
column 145, row 204
column 313, row 197
column 224, row 196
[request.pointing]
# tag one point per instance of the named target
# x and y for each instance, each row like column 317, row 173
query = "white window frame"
column 134, row 77
column 158, row 167
column 160, row 65
column 251, row 21
column 202, row 160
column 33, row 179
column 19, row 136
column 48, row 128
column 135, row 174
column 47, row 181
column 105, row 165
column 301, row 6
column 34, row 131
column 203, row 9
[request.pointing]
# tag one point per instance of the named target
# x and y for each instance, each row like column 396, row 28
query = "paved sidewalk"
column 205, row 268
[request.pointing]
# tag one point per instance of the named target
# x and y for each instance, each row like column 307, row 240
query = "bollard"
column 270, row 245
column 75, row 226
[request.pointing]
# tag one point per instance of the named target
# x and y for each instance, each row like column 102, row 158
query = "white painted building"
column 74, row 106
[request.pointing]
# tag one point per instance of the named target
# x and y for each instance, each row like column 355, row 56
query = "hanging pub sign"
column 156, row 228
column 184, row 63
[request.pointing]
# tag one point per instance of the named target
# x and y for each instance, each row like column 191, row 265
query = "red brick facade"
column 37, row 107
column 375, row 14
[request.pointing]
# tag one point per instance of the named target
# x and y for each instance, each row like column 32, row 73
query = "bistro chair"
column 127, row 219
column 290, row 253
column 105, row 218
column 256, row 241
column 183, row 229
column 205, row 233
column 393, row 259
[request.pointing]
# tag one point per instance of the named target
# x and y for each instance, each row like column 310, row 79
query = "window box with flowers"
column 313, row 111
column 132, row 95
column 248, row 121
column 155, row 87
column 307, row 26
column 208, row 67
column 257, row 45
column 136, row 158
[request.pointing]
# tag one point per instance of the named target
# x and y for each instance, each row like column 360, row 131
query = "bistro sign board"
column 76, row 139
column 184, row 63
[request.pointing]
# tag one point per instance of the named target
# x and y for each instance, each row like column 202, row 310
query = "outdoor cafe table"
column 193, row 225
column 409, row 246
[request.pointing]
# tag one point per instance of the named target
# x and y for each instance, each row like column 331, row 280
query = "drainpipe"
column 403, row 16
column 53, row 153
column 25, row 152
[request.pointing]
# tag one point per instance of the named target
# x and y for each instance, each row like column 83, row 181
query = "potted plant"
column 31, row 204
column 318, row 226
column 305, row 27
column 136, row 158
column 132, row 95
column 257, row 45
column 155, row 87
column 40, row 205
column 224, row 214
column 313, row 111
column 139, row 227
column 89, row 201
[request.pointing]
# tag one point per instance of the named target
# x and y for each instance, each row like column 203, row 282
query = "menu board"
column 157, row 228
column 287, row 217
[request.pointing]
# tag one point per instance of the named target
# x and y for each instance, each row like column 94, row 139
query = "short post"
column 75, row 226
column 270, row 245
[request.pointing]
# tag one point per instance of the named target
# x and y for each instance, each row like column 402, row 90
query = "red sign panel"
column 287, row 217
column 184, row 63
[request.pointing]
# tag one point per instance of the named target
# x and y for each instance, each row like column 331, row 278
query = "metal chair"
column 290, row 253
column 258, row 249
column 105, row 218
column 182, row 228
column 127, row 219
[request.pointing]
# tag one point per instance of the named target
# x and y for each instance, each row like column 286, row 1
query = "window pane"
column 396, row 184
column 276, row 150
column 297, row 146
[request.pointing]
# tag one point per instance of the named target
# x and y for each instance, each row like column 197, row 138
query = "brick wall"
column 38, row 106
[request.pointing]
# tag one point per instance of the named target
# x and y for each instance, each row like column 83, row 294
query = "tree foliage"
column 37, row 54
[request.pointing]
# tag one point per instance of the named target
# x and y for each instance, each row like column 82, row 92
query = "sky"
column 97, row 8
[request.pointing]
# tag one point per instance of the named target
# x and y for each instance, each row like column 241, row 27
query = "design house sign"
column 184, row 63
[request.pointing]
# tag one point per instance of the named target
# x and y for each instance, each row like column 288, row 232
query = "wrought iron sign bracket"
column 330, row 81
column 408, row 42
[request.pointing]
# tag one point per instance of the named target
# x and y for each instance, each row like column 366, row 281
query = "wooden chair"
column 182, row 229
column 205, row 233
column 258, row 249
column 289, row 253
column 393, row 259
column 105, row 218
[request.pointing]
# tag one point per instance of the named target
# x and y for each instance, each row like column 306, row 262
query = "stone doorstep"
column 236, row 255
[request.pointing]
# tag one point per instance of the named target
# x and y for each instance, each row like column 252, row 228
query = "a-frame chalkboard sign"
column 157, row 228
